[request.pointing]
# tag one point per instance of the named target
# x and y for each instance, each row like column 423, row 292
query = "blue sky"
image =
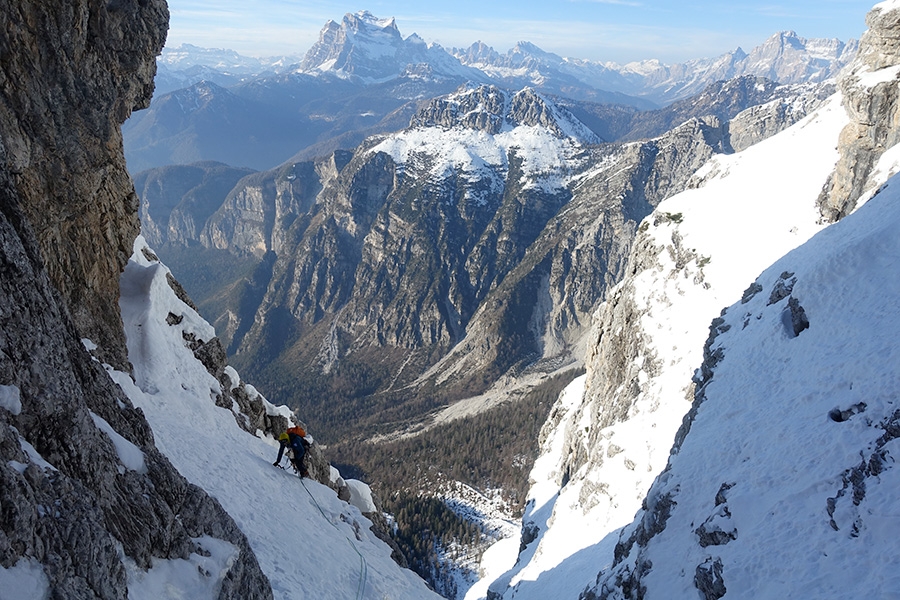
column 616, row 30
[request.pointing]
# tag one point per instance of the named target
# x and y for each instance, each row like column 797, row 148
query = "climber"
column 295, row 437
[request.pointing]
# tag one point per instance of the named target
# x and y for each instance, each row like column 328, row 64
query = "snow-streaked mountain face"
column 689, row 259
column 364, row 47
column 765, row 501
column 475, row 130
column 782, row 481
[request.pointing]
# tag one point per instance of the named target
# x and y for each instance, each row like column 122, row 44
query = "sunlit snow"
column 750, row 209
column 309, row 543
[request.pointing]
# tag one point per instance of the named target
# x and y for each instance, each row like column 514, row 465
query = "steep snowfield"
column 309, row 543
column 792, row 454
column 479, row 155
column 751, row 209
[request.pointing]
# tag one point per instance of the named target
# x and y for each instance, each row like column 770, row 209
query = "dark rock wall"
column 70, row 73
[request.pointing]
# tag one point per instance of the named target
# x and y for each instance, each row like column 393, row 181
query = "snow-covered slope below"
column 784, row 484
column 697, row 253
column 309, row 543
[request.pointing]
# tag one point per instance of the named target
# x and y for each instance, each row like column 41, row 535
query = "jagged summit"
column 493, row 110
column 784, row 57
column 366, row 48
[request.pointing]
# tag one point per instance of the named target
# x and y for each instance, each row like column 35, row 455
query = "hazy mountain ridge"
column 363, row 77
column 187, row 64
column 785, row 57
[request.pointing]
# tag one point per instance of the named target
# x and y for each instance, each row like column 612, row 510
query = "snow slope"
column 308, row 543
column 791, row 456
column 706, row 245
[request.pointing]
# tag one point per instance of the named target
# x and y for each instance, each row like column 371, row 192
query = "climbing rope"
column 363, row 565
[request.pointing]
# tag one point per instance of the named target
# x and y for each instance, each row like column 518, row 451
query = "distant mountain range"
column 364, row 48
column 362, row 77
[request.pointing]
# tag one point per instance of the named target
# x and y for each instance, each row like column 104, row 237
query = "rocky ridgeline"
column 74, row 502
column 784, row 57
column 491, row 109
column 788, row 106
column 871, row 89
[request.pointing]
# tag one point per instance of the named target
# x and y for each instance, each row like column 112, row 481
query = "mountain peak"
column 364, row 21
column 366, row 48
column 493, row 110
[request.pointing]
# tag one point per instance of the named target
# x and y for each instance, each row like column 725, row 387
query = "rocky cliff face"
column 70, row 76
column 88, row 499
column 774, row 107
column 365, row 48
column 870, row 88
column 177, row 201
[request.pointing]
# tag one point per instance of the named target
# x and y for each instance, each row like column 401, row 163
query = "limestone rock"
column 70, row 73
column 762, row 121
column 69, row 464
column 871, row 89
column 70, row 76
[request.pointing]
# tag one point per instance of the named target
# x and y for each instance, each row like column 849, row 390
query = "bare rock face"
column 70, row 74
column 177, row 200
column 56, row 450
column 85, row 493
column 765, row 120
column 871, row 92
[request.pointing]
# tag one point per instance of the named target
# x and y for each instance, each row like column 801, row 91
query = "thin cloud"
column 616, row 2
